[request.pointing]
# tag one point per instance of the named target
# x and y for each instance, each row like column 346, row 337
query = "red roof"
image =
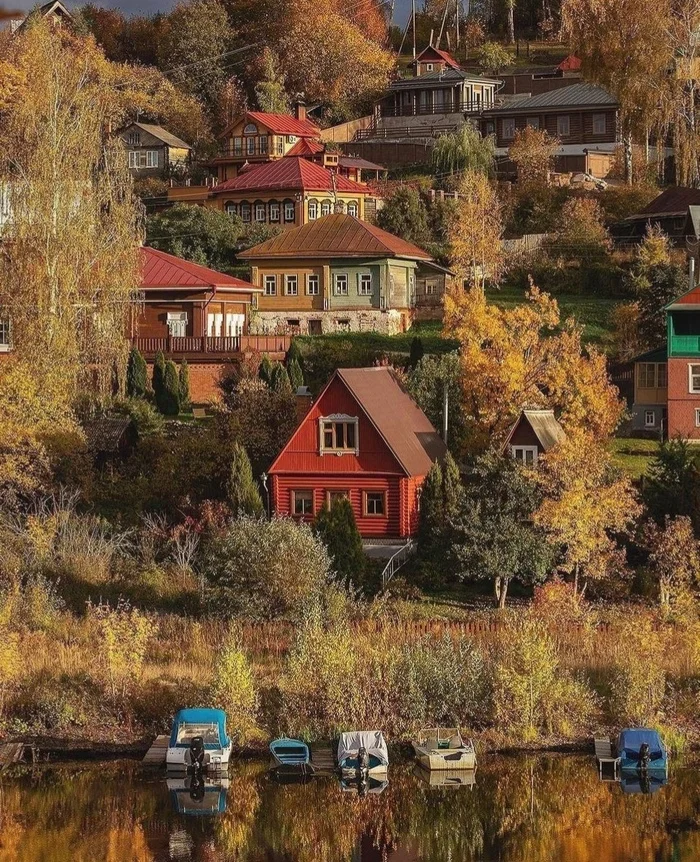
column 306, row 147
column 160, row 269
column 290, row 173
column 439, row 54
column 570, row 64
column 285, row 124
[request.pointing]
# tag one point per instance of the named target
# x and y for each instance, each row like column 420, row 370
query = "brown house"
column 433, row 60
column 191, row 312
column 534, row 433
column 153, row 150
column 540, row 79
column 583, row 117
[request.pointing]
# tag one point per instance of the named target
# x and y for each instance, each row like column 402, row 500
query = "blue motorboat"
column 291, row 756
column 641, row 749
column 198, row 795
column 198, row 740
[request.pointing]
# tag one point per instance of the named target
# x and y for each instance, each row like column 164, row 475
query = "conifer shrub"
column 136, row 375
column 279, row 379
column 265, row 370
column 242, row 489
column 184, row 385
column 158, row 378
column 294, row 354
column 417, row 352
column 337, row 529
column 296, row 375
column 169, row 400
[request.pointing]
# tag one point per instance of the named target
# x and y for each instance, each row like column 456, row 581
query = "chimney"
column 300, row 110
column 304, row 400
column 691, row 273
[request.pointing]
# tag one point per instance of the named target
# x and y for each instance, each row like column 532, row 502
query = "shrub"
column 265, row 370
column 338, row 531
column 493, row 57
column 184, row 385
column 296, row 375
column 136, row 375
column 168, row 396
column 242, row 489
column 10, row 663
column 639, row 680
column 265, row 569
column 147, row 419
column 233, row 689
column 158, row 378
column 279, row 378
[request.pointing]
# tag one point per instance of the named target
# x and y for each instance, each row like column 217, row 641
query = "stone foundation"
column 325, row 322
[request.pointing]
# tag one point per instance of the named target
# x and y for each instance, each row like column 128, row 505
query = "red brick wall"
column 681, row 402
column 203, row 379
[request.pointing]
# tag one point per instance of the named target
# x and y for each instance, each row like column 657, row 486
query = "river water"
column 519, row 809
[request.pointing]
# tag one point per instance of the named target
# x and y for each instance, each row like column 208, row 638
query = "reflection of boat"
column 364, row 784
column 641, row 748
column 198, row 794
column 363, row 751
column 444, row 748
column 198, row 740
column 445, row 778
column 291, row 756
column 643, row 782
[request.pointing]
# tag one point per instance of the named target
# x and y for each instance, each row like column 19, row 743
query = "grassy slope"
column 633, row 455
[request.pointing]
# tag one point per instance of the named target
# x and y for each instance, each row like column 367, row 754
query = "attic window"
column 429, row 67
column 527, row 455
column 134, row 139
column 339, row 434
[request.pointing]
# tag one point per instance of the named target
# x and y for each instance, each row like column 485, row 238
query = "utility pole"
column 413, row 16
column 456, row 25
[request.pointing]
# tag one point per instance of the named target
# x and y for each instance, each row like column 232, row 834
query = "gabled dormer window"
column 339, row 434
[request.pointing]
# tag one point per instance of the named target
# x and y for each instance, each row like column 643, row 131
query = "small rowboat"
column 444, row 748
column 291, row 755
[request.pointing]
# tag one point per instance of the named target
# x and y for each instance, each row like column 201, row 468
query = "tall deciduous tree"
column 405, row 214
column 532, row 152
column 270, row 93
column 475, row 232
column 70, row 250
column 674, row 558
column 463, row 150
column 201, row 234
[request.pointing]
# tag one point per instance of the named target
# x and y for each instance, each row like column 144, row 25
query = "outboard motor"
column 362, row 760
column 644, row 756
column 197, row 787
column 197, row 753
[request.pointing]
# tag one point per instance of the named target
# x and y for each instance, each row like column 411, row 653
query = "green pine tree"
column 242, row 489
column 337, row 529
column 294, row 353
column 184, row 384
column 169, row 403
column 296, row 375
column 279, row 379
column 452, row 492
column 431, row 512
column 265, row 370
column 136, row 375
column 158, row 379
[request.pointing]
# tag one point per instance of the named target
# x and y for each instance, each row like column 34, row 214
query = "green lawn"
column 593, row 312
column 430, row 332
column 633, row 455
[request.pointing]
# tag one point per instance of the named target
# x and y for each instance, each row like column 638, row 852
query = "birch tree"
column 475, row 232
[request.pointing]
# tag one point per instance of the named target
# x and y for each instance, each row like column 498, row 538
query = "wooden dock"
column 11, row 752
column 322, row 758
column 155, row 756
column 604, row 755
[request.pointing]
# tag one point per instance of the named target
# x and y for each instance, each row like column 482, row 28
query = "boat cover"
column 200, row 716
column 372, row 740
column 632, row 739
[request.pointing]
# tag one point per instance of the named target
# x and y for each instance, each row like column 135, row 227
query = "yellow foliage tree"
column 515, row 358
column 475, row 232
column 674, row 559
column 585, row 504
column 532, row 152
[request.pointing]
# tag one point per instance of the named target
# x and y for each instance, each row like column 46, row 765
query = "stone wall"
column 366, row 320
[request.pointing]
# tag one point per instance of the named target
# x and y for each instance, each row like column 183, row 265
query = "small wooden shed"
column 533, row 434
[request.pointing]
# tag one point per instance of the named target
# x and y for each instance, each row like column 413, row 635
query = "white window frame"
column 563, row 126
column 508, row 128
column 133, row 159
column 697, row 417
column 430, row 288
column 334, row 420
column 260, row 212
column 176, row 320
column 326, row 208
column 313, row 284
column 429, row 67
column 313, row 210
column 598, row 120
column 230, row 208
column 533, row 122
column 291, row 285
column 340, row 284
column 275, row 212
column 364, row 284
column 246, row 212
column 520, row 454
column 143, row 159
column 250, row 146
column 694, row 378
column 5, row 335
column 650, row 419
column 289, row 212
column 262, row 145
column 353, row 209
column 270, row 285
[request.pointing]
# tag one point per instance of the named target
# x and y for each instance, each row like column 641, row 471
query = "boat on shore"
column 198, row 741
column 363, row 752
column 291, row 756
column 641, row 749
column 444, row 748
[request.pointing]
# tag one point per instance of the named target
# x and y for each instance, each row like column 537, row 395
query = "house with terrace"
column 337, row 274
column 365, row 439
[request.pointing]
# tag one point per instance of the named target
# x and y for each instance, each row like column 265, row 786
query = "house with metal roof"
column 583, row 117
column 676, row 211
column 154, row 151
column 533, row 80
column 533, row 434
column 337, row 274
column 364, row 438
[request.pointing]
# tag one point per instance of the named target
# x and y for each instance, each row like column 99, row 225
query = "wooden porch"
column 213, row 347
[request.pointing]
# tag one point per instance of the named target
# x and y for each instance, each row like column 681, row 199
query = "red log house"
column 367, row 440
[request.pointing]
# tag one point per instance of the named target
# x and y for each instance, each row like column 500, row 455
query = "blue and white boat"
column 641, row 749
column 363, row 751
column 198, row 741
column 291, row 756
column 198, row 795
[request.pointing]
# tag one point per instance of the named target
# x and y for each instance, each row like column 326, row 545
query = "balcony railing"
column 219, row 345
column 472, row 106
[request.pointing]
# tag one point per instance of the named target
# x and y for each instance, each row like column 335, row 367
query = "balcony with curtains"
column 212, row 346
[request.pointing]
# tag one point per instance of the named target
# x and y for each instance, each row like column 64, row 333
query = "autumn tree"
column 674, row 558
column 465, row 149
column 524, row 356
column 475, row 232
column 581, row 231
column 201, row 234
column 70, row 263
column 270, row 93
column 532, row 152
column 586, row 503
column 493, row 58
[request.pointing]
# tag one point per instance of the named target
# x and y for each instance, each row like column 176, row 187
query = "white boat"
column 444, row 748
column 198, row 741
column 363, row 751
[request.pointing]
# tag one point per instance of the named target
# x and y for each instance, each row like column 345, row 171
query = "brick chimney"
column 304, row 401
column 300, row 110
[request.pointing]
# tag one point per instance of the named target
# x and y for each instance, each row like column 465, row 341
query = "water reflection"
column 522, row 808
column 198, row 795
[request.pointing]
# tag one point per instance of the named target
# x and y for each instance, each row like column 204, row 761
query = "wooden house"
column 643, row 383
column 532, row 81
column 675, row 211
column 433, row 59
column 365, row 439
column 153, row 151
column 54, row 12
column 533, row 434
column 336, row 274
column 583, row 117
column 683, row 375
column 191, row 312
